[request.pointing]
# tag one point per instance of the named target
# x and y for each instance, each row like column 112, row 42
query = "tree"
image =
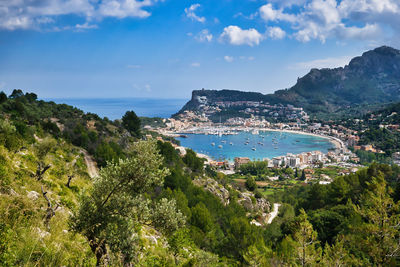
column 201, row 218
column 337, row 255
column 3, row 97
column 16, row 93
column 43, row 148
column 110, row 215
column 306, row 239
column 251, row 184
column 303, row 176
column 258, row 255
column 195, row 163
column 131, row 122
column 381, row 230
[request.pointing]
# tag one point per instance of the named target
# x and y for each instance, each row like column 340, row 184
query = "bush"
column 251, row 184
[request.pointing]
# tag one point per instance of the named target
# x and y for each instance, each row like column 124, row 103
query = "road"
column 273, row 213
column 91, row 164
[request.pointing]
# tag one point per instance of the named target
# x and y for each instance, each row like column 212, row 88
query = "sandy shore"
column 200, row 155
column 335, row 141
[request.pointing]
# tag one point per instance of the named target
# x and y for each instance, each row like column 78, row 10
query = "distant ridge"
column 370, row 79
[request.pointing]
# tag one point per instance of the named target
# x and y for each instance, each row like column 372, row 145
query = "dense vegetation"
column 146, row 208
column 354, row 219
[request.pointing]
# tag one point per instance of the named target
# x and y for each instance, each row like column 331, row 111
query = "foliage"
column 131, row 122
column 118, row 201
column 195, row 163
column 251, row 184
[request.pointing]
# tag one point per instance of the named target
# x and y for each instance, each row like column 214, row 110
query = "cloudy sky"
column 167, row 48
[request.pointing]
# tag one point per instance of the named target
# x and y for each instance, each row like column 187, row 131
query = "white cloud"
column 332, row 62
column 195, row 64
column 237, row 36
column 204, row 36
column 86, row 26
column 29, row 14
column 229, row 59
column 275, row 33
column 190, row 13
column 346, row 19
column 268, row 13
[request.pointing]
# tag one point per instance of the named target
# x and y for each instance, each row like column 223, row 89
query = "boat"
column 297, row 140
column 213, row 144
column 254, row 149
column 231, row 143
column 223, row 141
column 220, row 146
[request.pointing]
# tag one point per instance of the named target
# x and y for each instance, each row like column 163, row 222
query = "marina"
column 260, row 145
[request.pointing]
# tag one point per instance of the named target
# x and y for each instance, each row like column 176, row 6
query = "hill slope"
column 373, row 78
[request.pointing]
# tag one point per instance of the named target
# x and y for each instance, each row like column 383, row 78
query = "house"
column 239, row 161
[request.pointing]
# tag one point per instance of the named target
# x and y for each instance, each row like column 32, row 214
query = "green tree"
column 109, row 216
column 306, row 239
column 201, row 218
column 251, row 184
column 195, row 163
column 381, row 230
column 303, row 176
column 16, row 93
column 337, row 255
column 131, row 122
column 3, row 97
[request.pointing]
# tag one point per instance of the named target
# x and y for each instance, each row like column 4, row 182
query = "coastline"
column 337, row 143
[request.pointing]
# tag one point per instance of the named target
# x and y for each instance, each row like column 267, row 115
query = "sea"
column 266, row 144
column 115, row 108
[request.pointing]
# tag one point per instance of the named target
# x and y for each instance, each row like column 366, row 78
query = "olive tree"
column 110, row 215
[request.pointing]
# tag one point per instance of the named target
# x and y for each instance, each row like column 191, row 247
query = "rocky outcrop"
column 252, row 204
column 214, row 188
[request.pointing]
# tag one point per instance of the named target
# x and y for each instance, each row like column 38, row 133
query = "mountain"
column 370, row 79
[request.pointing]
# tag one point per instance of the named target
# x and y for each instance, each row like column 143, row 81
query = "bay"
column 267, row 144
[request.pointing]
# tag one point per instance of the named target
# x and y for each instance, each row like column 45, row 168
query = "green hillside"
column 367, row 82
column 152, row 206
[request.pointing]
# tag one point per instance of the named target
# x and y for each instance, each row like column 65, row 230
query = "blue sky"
column 167, row 48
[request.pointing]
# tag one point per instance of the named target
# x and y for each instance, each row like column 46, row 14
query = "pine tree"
column 306, row 239
column 381, row 231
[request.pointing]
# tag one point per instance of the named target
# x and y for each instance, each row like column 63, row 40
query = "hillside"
column 141, row 208
column 367, row 81
column 153, row 206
